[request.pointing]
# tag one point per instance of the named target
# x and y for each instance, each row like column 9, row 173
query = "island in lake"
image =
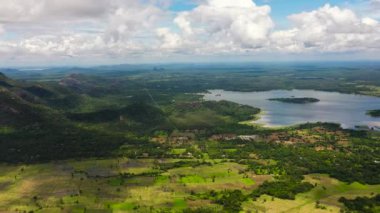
column 374, row 113
column 296, row 100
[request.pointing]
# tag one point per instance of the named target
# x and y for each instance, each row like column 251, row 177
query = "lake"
column 347, row 109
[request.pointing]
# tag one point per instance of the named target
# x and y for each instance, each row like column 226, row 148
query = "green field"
column 326, row 193
column 80, row 185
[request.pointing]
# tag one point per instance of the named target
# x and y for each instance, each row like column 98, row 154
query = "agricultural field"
column 126, row 185
column 117, row 185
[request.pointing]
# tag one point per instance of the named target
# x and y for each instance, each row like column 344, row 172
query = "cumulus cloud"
column 227, row 23
column 222, row 26
column 328, row 29
column 126, row 21
column 79, row 28
column 46, row 10
column 169, row 40
column 141, row 28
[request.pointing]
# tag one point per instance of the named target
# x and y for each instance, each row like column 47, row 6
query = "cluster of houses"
column 230, row 137
column 188, row 136
column 178, row 137
column 314, row 135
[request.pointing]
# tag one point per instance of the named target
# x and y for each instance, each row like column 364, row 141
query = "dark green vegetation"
column 362, row 204
column 296, row 100
column 36, row 132
column 285, row 189
column 374, row 113
column 80, row 116
column 137, row 139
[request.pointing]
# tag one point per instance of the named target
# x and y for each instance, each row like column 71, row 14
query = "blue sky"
column 142, row 31
column 180, row 5
column 283, row 8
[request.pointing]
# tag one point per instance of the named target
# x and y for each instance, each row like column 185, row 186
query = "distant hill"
column 143, row 113
column 32, row 131
column 4, row 81
column 15, row 111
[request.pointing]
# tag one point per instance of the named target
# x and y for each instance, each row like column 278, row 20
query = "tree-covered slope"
column 31, row 131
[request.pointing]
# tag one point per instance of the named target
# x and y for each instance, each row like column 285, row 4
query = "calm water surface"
column 347, row 109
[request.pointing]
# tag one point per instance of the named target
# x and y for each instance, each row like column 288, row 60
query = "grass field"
column 72, row 186
column 97, row 186
column 326, row 194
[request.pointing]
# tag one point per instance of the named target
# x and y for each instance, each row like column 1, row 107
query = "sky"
column 94, row 32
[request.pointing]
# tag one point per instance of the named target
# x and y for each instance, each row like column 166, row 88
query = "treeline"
column 231, row 200
column 374, row 113
column 361, row 204
column 48, row 143
column 284, row 189
column 139, row 112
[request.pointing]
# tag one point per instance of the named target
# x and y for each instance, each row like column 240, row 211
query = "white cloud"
column 331, row 20
column 241, row 27
column 2, row 30
column 126, row 21
column 227, row 23
column 183, row 23
column 13, row 11
column 284, row 41
column 328, row 28
column 17, row 10
column 95, row 29
column 104, row 28
column 169, row 40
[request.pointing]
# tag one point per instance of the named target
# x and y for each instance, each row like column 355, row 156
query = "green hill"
column 31, row 131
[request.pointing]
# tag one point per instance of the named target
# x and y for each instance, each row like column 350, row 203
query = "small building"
column 181, row 137
column 159, row 139
column 223, row 137
column 249, row 137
